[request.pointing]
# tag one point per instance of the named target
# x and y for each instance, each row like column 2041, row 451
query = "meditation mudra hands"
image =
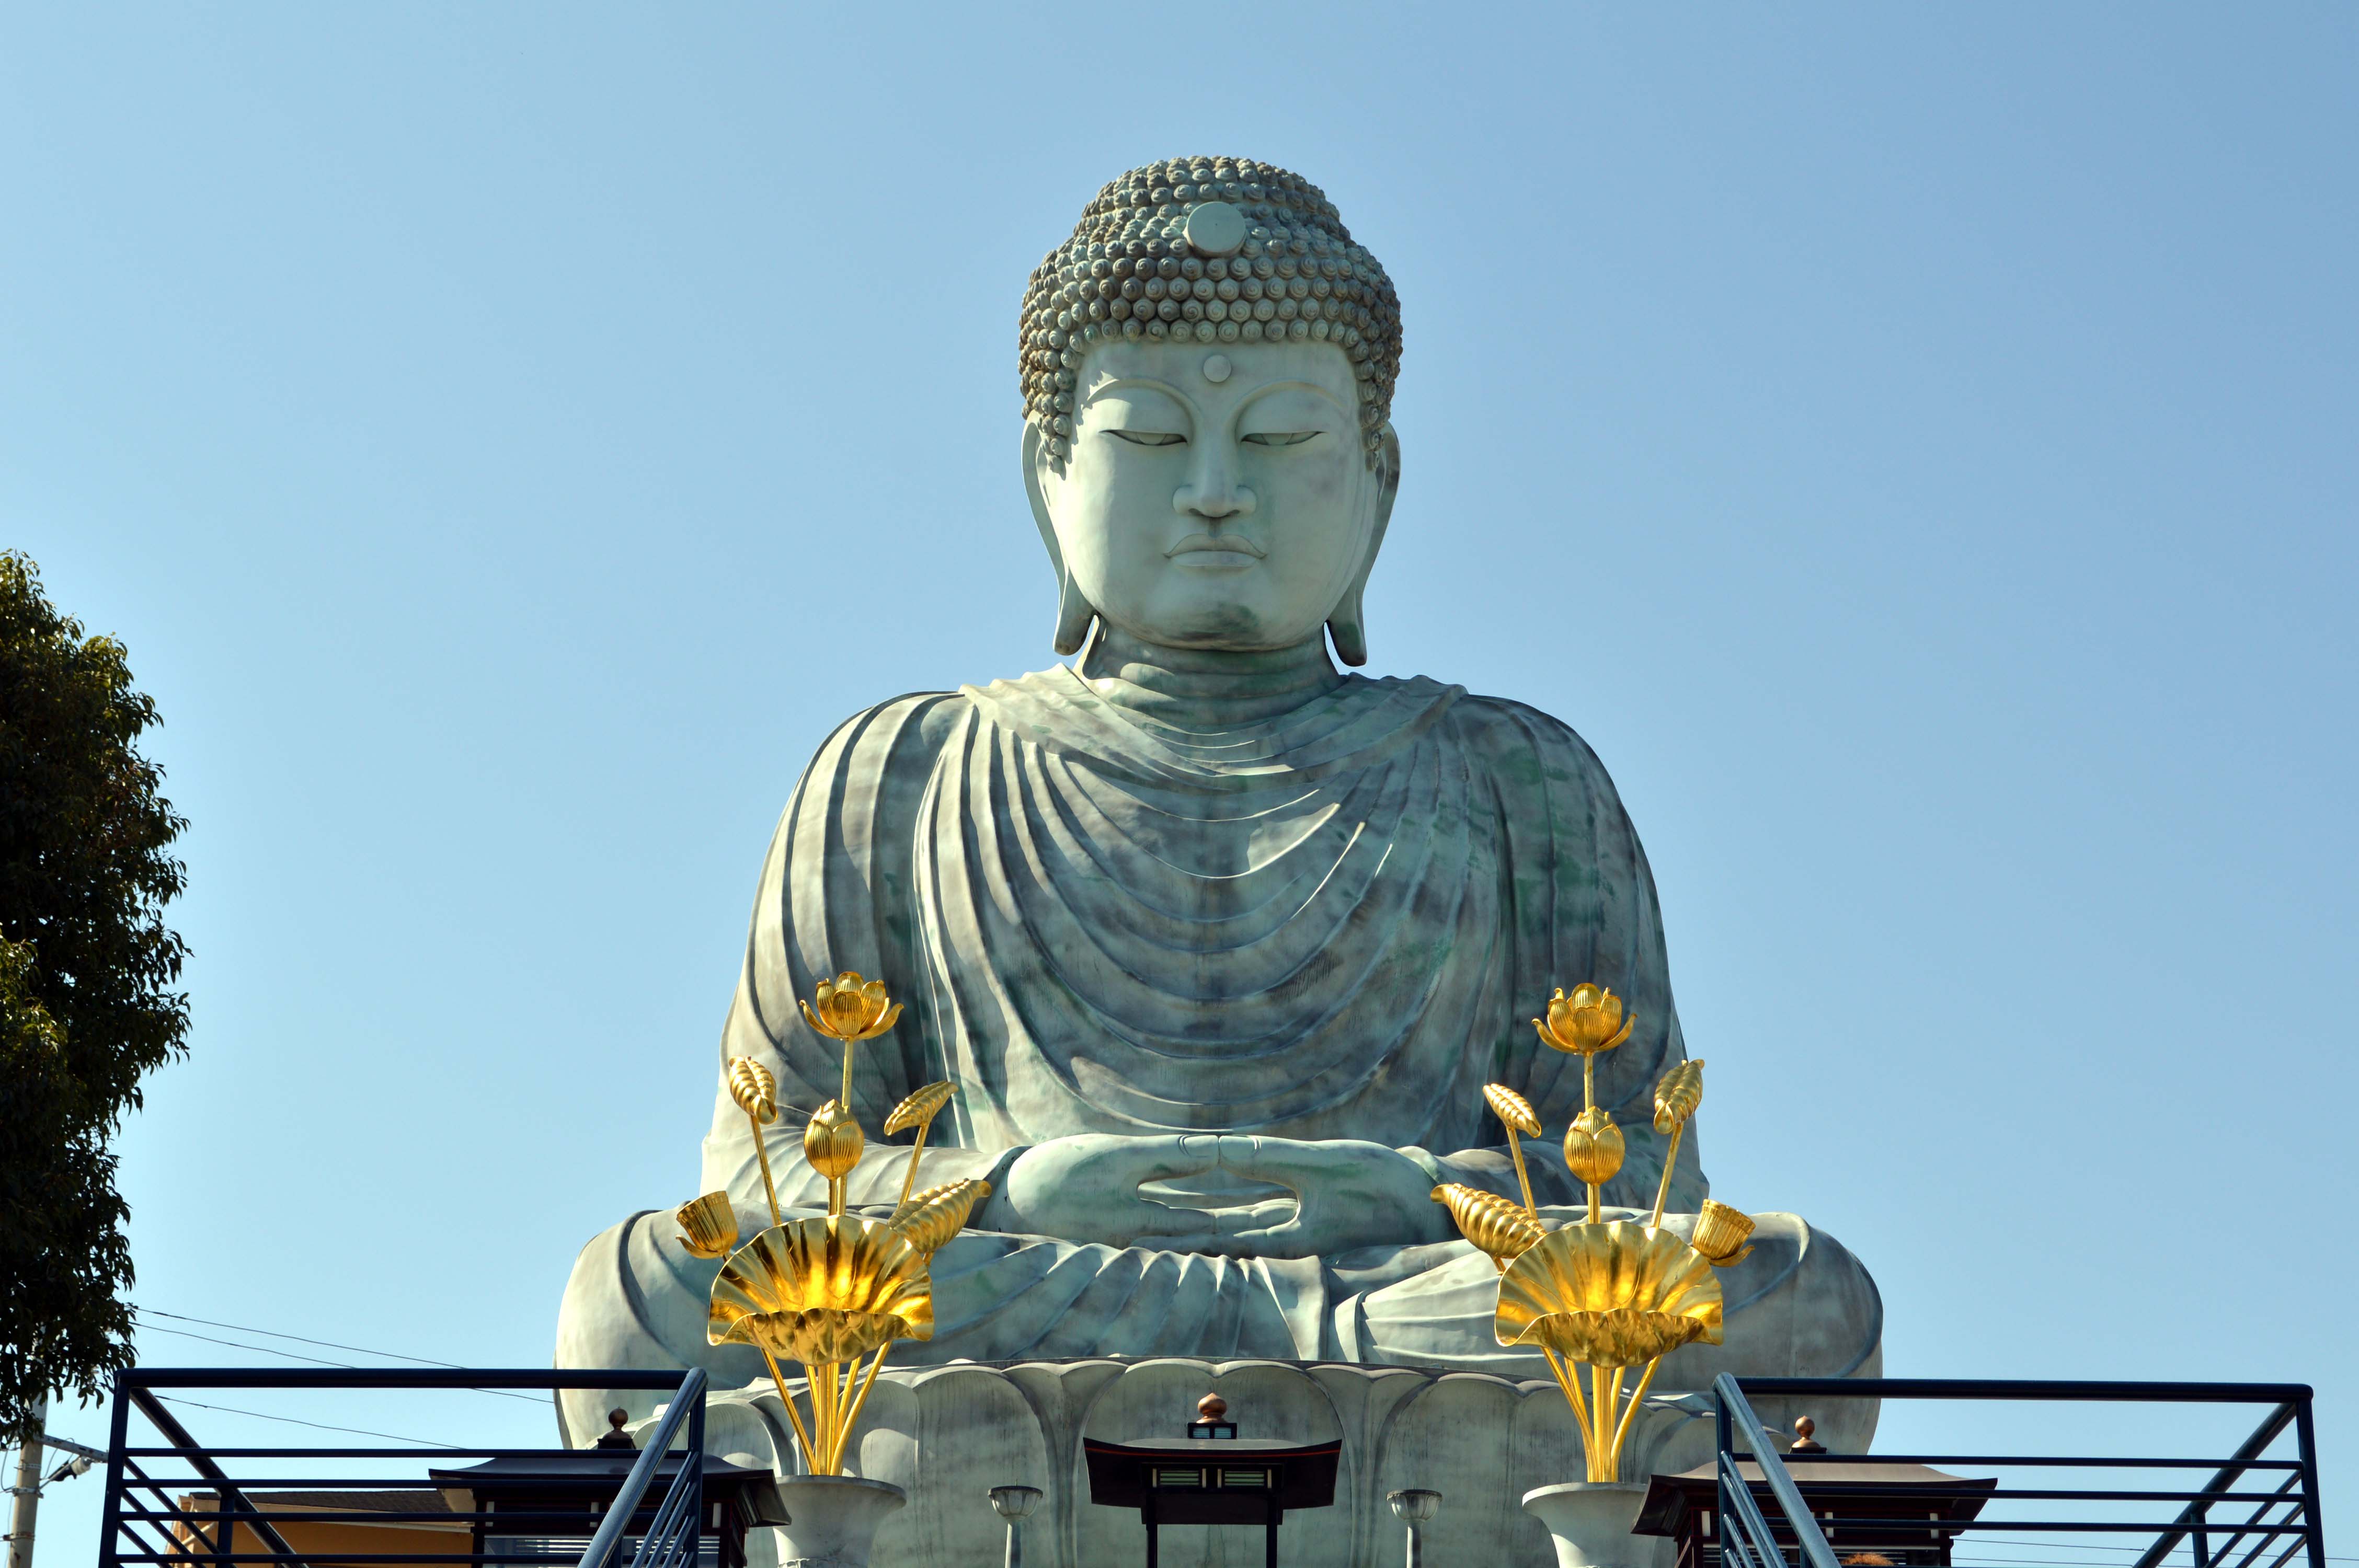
column 1345, row 1194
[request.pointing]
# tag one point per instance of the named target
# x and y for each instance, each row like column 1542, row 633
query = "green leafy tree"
column 87, row 1008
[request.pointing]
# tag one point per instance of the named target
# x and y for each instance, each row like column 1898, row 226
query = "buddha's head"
column 1208, row 368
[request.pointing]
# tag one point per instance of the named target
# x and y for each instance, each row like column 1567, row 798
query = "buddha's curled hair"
column 1131, row 270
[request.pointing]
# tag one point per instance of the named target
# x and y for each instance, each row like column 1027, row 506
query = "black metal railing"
column 1770, row 1520
column 152, row 1518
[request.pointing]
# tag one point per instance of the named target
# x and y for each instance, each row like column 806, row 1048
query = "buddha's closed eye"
column 1280, row 437
column 1148, row 438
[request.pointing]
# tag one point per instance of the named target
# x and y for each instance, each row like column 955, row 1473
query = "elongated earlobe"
column 1347, row 622
column 1074, row 611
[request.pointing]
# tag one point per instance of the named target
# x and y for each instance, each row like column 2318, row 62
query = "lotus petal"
column 1512, row 1108
column 1618, row 1294
column 920, row 1107
column 818, row 1291
column 931, row 1218
column 1503, row 1229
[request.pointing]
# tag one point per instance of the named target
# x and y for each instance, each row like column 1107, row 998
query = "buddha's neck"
column 1205, row 689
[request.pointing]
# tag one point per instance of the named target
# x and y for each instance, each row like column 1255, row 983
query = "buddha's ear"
column 1074, row 612
column 1347, row 622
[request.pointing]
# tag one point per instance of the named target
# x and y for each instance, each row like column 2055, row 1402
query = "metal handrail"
column 686, row 1409
column 1736, row 1497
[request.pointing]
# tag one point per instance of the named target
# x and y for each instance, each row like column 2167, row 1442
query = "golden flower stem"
column 769, row 1188
column 1602, row 1466
column 834, row 1197
column 851, row 1416
column 802, row 1435
column 1589, row 1083
column 849, row 1046
column 1572, row 1387
column 1663, row 1187
column 1630, row 1412
column 909, row 1179
column 1515, row 1152
column 1594, row 1214
column 823, row 1420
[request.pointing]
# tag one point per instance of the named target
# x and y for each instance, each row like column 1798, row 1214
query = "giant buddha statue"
column 1219, row 943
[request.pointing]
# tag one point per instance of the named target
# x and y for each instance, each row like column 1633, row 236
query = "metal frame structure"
column 1769, row 1523
column 129, row 1532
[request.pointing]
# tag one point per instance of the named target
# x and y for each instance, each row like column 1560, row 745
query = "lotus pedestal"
column 1590, row 1522
column 833, row 1520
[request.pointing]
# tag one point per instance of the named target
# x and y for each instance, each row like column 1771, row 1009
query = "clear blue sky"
column 1915, row 446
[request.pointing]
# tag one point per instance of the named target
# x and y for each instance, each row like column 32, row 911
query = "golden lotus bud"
column 1593, row 1146
column 921, row 1107
column 831, row 1141
column 1677, row 1096
column 850, row 1009
column 753, row 1089
column 1586, row 1022
column 1504, row 1229
column 1720, row 1233
column 931, row 1218
column 1512, row 1108
column 708, row 1226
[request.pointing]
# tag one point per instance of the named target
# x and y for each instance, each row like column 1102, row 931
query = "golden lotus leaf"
column 1593, row 1146
column 1720, row 1233
column 753, row 1089
column 1512, row 1108
column 931, row 1218
column 1618, row 1294
column 1677, row 1095
column 920, row 1107
column 1504, row 1229
column 1586, row 1022
column 708, row 1226
column 850, row 1009
column 822, row 1291
column 832, row 1141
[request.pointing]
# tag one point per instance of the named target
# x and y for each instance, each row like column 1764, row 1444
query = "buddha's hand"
column 1085, row 1188
column 1347, row 1194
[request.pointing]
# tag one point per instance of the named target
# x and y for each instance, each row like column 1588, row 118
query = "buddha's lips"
column 1228, row 543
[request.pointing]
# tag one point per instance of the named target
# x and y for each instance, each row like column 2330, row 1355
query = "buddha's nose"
column 1213, row 491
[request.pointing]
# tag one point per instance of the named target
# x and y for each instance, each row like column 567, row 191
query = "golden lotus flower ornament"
column 1589, row 1021
column 917, row 1110
column 1515, row 1114
column 1612, row 1296
column 824, row 1292
column 930, row 1219
column 1720, row 1233
column 1677, row 1095
column 1493, row 1224
column 757, row 1094
column 832, row 1144
column 708, row 1226
column 848, row 1009
column 1593, row 1147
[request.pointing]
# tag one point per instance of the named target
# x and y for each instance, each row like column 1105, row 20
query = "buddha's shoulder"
column 1523, row 742
column 893, row 731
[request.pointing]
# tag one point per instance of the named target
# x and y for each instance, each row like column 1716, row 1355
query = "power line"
column 300, row 1340
column 291, row 1421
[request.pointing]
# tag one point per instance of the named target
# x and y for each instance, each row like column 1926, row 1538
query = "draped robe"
column 1164, row 901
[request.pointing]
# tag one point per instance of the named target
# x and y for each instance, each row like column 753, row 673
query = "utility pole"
column 28, row 1489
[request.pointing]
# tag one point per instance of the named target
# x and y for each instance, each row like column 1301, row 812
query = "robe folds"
column 1336, row 922
column 1109, row 908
